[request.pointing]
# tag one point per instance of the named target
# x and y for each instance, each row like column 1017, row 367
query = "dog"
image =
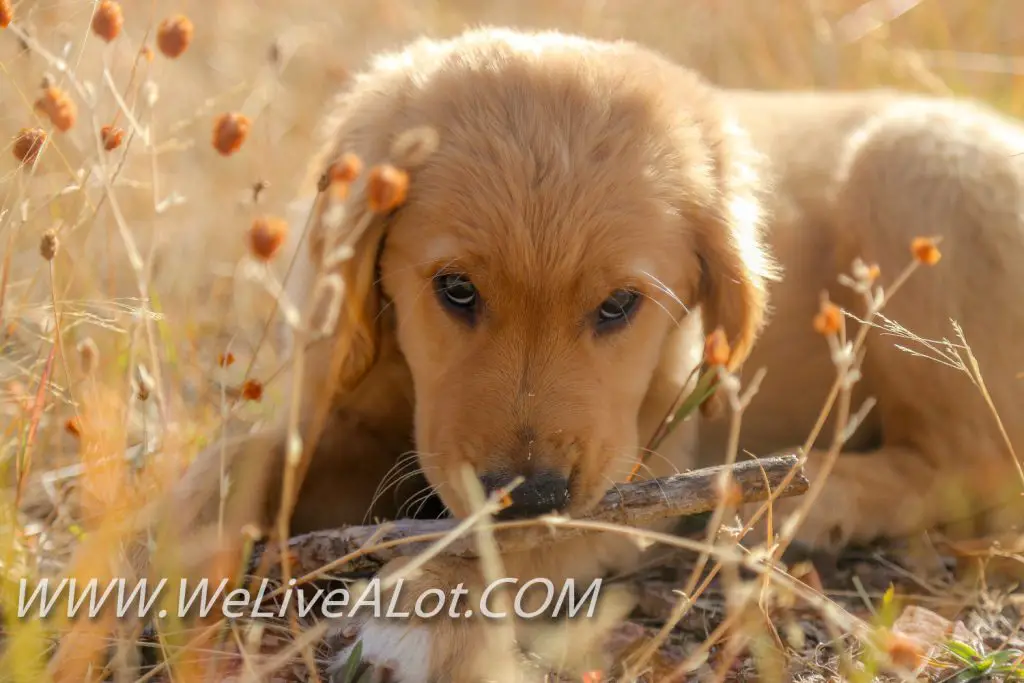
column 539, row 302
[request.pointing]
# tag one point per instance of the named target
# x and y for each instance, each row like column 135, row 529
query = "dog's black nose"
column 539, row 494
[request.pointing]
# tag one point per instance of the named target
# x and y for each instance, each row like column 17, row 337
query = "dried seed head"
column 107, row 20
column 48, row 245
column 58, row 107
column 88, row 355
column 112, row 137
column 925, row 251
column 252, row 390
column 6, row 13
column 346, row 169
column 174, row 35
column 225, row 359
column 904, row 651
column 229, row 132
column 266, row 235
column 386, row 188
column 829, row 319
column 27, row 145
column 716, row 348
column 412, row 147
column 73, row 427
column 340, row 175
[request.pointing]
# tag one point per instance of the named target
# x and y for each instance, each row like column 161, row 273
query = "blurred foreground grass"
column 162, row 324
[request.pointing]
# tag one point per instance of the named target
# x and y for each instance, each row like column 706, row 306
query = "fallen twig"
column 632, row 504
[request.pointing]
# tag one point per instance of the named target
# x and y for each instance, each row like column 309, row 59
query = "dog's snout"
column 539, row 493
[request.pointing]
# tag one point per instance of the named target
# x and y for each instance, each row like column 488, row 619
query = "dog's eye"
column 456, row 291
column 617, row 308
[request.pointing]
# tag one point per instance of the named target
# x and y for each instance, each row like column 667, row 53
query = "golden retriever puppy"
column 534, row 308
column 538, row 303
column 582, row 199
column 859, row 175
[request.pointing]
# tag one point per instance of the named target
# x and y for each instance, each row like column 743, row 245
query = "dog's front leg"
column 894, row 491
column 550, row 610
column 427, row 628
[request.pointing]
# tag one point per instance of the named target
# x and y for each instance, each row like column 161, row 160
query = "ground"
column 132, row 342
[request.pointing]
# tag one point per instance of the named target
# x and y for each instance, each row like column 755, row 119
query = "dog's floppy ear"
column 735, row 263
column 361, row 179
column 345, row 242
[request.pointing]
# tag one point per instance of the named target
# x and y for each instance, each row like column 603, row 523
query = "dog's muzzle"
column 541, row 493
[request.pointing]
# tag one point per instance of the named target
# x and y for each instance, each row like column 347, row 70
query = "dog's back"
column 861, row 174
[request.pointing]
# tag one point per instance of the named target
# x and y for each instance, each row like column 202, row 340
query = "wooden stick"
column 633, row 504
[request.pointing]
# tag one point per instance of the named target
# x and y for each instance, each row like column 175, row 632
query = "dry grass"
column 123, row 353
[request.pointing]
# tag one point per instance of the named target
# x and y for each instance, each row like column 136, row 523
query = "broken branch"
column 633, row 504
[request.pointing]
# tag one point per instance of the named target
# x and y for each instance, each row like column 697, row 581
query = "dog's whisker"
column 411, row 459
column 423, row 501
column 399, row 473
column 404, row 462
column 661, row 286
column 420, row 497
column 423, row 493
column 419, row 500
column 665, row 459
column 394, row 486
column 614, row 484
column 444, row 508
column 675, row 321
column 640, row 465
column 410, row 475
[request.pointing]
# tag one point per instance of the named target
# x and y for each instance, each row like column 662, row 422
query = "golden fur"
column 567, row 169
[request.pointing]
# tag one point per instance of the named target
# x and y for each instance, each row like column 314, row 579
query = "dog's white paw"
column 401, row 649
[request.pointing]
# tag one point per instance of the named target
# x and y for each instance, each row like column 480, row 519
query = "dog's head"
column 583, row 197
